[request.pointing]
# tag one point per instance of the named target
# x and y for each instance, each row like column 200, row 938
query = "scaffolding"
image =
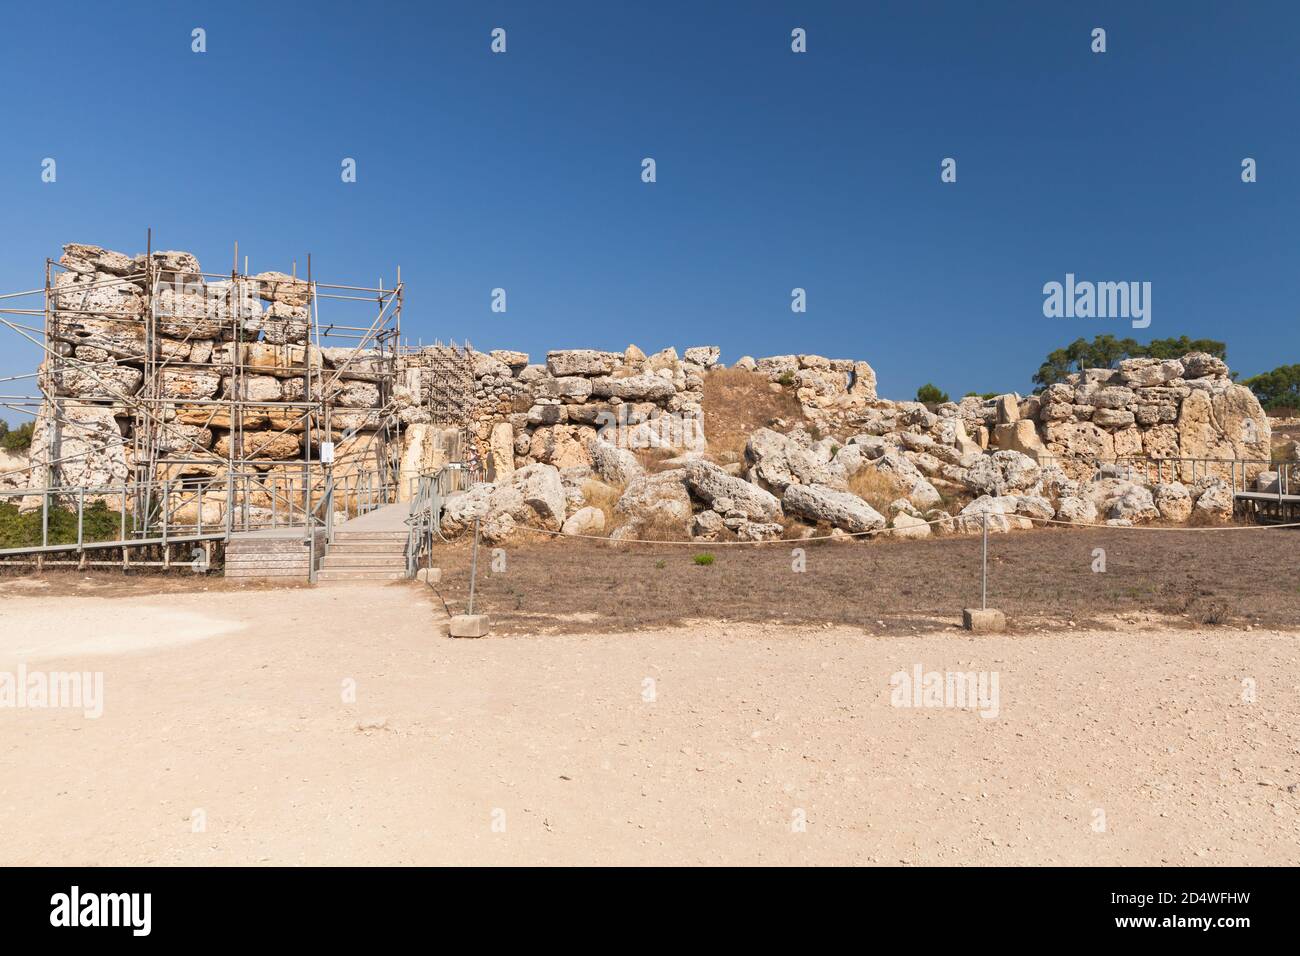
column 283, row 451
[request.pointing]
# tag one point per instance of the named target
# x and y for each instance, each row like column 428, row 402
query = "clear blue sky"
column 775, row 170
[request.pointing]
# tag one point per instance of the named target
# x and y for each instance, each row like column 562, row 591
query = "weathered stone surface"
column 97, row 294
column 570, row 388
column 1204, row 365
column 282, row 288
column 86, row 258
column 1020, row 435
column 1215, row 501
column 615, row 465
column 777, row 461
column 910, row 526
column 356, row 394
column 254, row 388
column 840, row 509
column 1076, row 510
column 100, row 381
column 284, row 323
column 501, row 450
column 642, row 387
column 708, row 482
column 1172, row 500
column 1002, row 473
column 1149, row 371
column 564, row 446
column 88, row 448
column 1133, row 503
column 580, row 362
column 188, row 385
column 704, row 355
column 1229, row 424
column 659, row 497
column 586, row 521
column 280, row 446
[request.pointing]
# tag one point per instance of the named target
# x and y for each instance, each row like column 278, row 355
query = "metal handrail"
column 425, row 519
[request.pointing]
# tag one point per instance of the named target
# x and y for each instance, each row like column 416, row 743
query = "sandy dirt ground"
column 227, row 738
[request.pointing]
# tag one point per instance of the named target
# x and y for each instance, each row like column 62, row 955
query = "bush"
column 18, row 439
column 23, row 529
column 703, row 560
column 931, row 394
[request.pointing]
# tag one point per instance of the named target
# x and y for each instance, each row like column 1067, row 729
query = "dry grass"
column 1041, row 577
column 876, row 489
column 599, row 494
column 736, row 403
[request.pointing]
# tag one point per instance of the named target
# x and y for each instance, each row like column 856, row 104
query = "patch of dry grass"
column 737, row 403
column 876, row 489
column 599, row 494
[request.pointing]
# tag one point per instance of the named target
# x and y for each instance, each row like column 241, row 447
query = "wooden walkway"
column 1267, row 507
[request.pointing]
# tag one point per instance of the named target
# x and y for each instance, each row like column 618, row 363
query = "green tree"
column 1106, row 351
column 16, row 439
column 931, row 394
column 1277, row 389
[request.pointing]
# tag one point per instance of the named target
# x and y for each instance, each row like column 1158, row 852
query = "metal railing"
column 1238, row 472
column 189, row 509
column 427, row 499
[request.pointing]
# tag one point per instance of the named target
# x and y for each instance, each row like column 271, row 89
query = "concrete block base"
column 987, row 621
column 429, row 575
column 469, row 625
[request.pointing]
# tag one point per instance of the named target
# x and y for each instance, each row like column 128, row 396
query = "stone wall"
column 205, row 329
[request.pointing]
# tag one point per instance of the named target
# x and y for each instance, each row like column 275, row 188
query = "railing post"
column 473, row 568
column 984, row 564
column 81, row 514
column 45, row 519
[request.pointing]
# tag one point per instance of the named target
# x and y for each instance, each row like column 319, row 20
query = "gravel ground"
column 228, row 736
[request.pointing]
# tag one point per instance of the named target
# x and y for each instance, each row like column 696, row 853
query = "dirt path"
column 231, row 704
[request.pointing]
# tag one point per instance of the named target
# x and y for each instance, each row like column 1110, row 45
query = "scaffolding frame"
column 159, row 453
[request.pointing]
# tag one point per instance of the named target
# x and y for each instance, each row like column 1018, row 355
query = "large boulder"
column 614, row 464
column 1134, row 503
column 1216, row 500
column 1225, row 423
column 1172, row 500
column 585, row 521
column 709, row 483
column 839, row 509
column 703, row 355
column 1149, row 371
column 776, row 461
column 654, row 498
column 1003, row 472
column 1076, row 510
column 580, row 362
column 646, row 387
column 564, row 446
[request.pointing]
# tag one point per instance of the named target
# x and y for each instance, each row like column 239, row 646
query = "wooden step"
column 367, row 548
column 358, row 574
column 364, row 561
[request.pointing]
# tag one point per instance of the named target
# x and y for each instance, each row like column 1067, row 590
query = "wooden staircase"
column 364, row 556
column 280, row 554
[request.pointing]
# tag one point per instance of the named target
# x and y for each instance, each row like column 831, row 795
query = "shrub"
column 703, row 560
column 931, row 394
column 17, row 439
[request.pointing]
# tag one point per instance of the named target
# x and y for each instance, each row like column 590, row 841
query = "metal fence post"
column 984, row 565
column 473, row 568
